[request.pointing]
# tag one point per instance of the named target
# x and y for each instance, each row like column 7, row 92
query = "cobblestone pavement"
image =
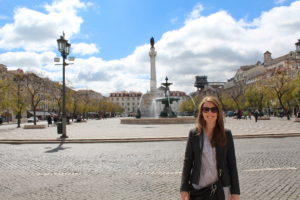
column 269, row 169
column 112, row 129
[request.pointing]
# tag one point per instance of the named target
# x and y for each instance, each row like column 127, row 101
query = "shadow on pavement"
column 58, row 148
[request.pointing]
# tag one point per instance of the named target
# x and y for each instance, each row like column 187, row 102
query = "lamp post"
column 18, row 79
column 64, row 49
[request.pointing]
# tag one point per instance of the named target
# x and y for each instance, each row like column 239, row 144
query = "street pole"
column 18, row 114
column 64, row 131
column 64, row 48
column 44, row 102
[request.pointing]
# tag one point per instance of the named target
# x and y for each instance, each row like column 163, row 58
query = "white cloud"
column 69, row 6
column 277, row 2
column 174, row 20
column 29, row 61
column 37, row 31
column 84, row 49
column 196, row 13
column 215, row 45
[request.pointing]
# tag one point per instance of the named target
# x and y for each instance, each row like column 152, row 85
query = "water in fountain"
column 195, row 107
column 192, row 100
column 139, row 107
column 138, row 113
column 168, row 95
column 155, row 108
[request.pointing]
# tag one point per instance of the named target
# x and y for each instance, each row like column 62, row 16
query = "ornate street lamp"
column 64, row 49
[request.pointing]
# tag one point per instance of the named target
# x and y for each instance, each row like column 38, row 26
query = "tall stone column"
column 152, row 54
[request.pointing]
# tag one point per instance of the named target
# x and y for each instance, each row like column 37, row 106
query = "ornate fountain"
column 167, row 101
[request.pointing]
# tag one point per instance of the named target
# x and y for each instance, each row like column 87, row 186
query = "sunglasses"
column 212, row 109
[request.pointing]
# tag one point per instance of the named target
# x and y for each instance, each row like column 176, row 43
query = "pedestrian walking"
column 55, row 120
column 209, row 167
column 49, row 120
column 256, row 115
column 245, row 115
column 249, row 115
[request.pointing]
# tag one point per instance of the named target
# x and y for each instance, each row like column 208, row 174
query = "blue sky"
column 111, row 36
column 118, row 26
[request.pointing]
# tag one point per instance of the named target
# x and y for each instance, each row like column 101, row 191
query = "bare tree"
column 35, row 87
column 74, row 103
column 237, row 95
column 85, row 102
column 281, row 85
column 55, row 92
column 5, row 97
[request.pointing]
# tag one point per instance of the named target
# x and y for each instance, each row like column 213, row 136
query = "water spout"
column 192, row 100
column 139, row 107
column 154, row 108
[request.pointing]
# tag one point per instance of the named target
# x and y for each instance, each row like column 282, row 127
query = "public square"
column 268, row 170
column 112, row 129
column 268, row 167
column 98, row 62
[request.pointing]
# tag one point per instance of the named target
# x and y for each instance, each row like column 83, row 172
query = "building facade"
column 251, row 73
column 181, row 96
column 90, row 94
column 127, row 100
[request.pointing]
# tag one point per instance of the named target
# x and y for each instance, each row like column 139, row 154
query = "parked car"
column 230, row 114
column 31, row 119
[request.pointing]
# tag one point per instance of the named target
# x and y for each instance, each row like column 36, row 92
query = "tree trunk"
column 19, row 119
column 284, row 109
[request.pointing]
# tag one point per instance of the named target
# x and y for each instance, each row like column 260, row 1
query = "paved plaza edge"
column 112, row 131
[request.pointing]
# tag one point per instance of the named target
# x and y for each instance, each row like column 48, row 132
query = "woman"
column 209, row 168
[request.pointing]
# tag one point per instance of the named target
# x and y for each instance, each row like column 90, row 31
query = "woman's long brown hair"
column 219, row 137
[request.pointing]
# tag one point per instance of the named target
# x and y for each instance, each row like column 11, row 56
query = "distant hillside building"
column 251, row 73
column 90, row 94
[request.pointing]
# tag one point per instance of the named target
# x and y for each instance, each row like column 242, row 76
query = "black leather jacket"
column 225, row 158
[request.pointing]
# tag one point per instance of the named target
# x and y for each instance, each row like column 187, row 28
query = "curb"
column 273, row 135
column 123, row 140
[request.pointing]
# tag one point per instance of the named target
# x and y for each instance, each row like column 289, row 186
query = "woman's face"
column 210, row 112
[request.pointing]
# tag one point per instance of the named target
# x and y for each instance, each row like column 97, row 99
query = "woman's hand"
column 234, row 197
column 185, row 196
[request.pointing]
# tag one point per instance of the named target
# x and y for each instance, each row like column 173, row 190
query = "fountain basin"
column 143, row 121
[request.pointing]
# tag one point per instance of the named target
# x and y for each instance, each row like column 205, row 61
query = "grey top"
column 209, row 172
